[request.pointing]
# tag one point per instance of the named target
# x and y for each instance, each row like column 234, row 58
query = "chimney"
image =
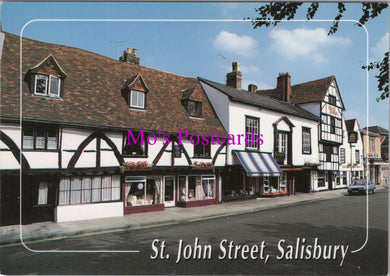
column 130, row 56
column 252, row 88
column 233, row 79
column 283, row 86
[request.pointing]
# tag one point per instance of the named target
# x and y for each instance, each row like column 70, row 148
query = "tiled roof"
column 261, row 101
column 92, row 92
column 312, row 91
column 350, row 124
column 369, row 133
column 378, row 129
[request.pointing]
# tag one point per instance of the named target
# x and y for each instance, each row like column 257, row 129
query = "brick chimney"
column 233, row 79
column 130, row 56
column 252, row 88
column 283, row 86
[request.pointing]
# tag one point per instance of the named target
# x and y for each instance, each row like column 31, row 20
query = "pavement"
column 174, row 215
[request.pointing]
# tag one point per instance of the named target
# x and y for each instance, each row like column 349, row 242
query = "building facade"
column 282, row 160
column 86, row 136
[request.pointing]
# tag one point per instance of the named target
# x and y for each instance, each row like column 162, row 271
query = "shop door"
column 10, row 200
column 169, row 191
column 330, row 180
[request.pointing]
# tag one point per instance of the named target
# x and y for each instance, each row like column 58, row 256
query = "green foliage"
column 274, row 12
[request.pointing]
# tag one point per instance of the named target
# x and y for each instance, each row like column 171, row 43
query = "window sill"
column 201, row 157
column 40, row 150
column 196, row 118
column 47, row 96
column 135, row 156
column 137, row 109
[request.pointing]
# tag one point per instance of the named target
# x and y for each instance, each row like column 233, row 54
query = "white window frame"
column 48, row 79
column 135, row 105
column 58, row 87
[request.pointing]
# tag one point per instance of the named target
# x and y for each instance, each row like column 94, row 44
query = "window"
column 195, row 108
column 342, row 155
column 43, row 191
column 137, row 99
column 372, row 144
column 40, row 138
column 92, row 189
column 140, row 190
column 252, row 126
column 332, row 99
column 202, row 150
column 134, row 149
column 47, row 85
column 321, row 179
column 306, row 141
column 198, row 187
column 328, row 153
column 332, row 125
column 281, row 147
column 357, row 156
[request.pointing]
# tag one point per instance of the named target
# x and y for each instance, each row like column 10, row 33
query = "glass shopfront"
column 196, row 187
column 140, row 190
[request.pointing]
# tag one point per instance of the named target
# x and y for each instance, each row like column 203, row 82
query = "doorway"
column 169, row 191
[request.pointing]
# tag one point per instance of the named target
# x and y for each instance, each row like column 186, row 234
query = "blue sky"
column 207, row 49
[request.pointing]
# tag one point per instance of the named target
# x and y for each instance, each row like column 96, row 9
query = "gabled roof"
column 378, row 130
column 311, row 91
column 261, row 101
column 92, row 92
column 369, row 133
column 350, row 124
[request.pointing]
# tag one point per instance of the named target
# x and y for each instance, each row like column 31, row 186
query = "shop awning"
column 258, row 164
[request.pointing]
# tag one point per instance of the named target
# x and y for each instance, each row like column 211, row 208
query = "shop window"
column 274, row 184
column 40, row 138
column 77, row 190
column 142, row 191
column 199, row 188
column 321, row 179
column 134, row 150
column 202, row 151
column 43, row 191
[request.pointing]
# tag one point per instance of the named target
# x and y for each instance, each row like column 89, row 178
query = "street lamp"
column 352, row 139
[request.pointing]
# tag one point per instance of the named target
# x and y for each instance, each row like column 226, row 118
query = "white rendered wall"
column 88, row 211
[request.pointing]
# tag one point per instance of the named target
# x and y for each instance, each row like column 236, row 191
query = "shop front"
column 257, row 175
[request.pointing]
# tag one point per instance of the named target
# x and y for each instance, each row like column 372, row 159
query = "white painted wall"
column 42, row 160
column 220, row 103
column 238, row 112
column 88, row 211
column 7, row 159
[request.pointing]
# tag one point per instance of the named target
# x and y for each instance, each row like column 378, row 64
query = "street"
column 309, row 238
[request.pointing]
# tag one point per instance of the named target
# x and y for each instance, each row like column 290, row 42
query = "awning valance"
column 258, row 164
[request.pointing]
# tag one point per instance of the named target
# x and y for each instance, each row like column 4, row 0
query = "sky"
column 194, row 48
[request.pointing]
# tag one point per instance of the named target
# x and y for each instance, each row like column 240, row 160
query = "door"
column 10, row 200
column 169, row 191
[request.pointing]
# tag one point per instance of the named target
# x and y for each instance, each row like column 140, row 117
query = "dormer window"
column 137, row 99
column 195, row 108
column 46, row 78
column 47, row 85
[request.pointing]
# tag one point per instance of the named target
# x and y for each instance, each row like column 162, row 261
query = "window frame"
column 357, row 156
column 255, row 147
column 46, row 131
column 332, row 100
column 342, row 155
column 138, row 93
column 48, row 87
column 198, row 108
column 145, row 154
column 306, row 130
column 205, row 155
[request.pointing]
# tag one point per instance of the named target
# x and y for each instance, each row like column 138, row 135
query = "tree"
column 273, row 13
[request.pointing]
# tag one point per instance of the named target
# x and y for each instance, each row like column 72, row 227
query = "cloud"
column 230, row 42
column 260, row 85
column 304, row 43
column 381, row 47
column 247, row 69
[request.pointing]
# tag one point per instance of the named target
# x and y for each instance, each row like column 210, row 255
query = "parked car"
column 361, row 186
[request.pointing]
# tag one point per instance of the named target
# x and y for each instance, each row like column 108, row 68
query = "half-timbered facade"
column 285, row 157
column 323, row 99
column 84, row 136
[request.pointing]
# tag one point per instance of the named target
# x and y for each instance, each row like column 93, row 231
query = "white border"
column 172, row 20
